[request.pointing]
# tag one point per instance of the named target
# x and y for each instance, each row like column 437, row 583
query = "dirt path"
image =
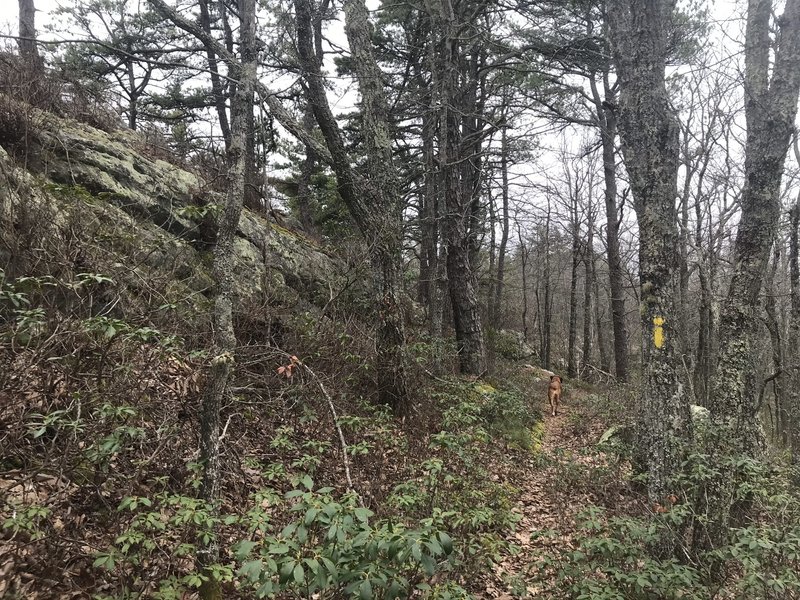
column 546, row 503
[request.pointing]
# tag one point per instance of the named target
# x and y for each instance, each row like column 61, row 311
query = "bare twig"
column 332, row 408
column 764, row 383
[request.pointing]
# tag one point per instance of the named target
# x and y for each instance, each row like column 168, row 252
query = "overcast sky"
column 9, row 15
column 726, row 15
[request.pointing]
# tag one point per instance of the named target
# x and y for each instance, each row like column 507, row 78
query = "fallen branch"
column 332, row 408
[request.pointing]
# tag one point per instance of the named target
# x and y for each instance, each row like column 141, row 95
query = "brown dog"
column 554, row 393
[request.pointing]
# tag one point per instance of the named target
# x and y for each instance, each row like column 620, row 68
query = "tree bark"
column 458, row 189
column 224, row 343
column 770, row 111
column 304, row 191
column 588, row 260
column 793, row 423
column 600, row 324
column 572, row 336
column 504, row 225
column 776, row 341
column 649, row 134
column 27, row 36
column 523, row 255
column 217, row 89
column 684, row 345
column 429, row 218
column 546, row 313
column 372, row 200
column 607, row 120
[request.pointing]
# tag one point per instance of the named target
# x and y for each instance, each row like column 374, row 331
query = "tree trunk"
column 607, row 120
column 439, row 293
column 429, row 229
column 793, row 424
column 304, row 192
column 776, row 341
column 602, row 337
column 684, row 345
column 133, row 98
column 572, row 359
column 546, row 313
column 217, row 88
column 588, row 260
column 372, row 200
column 649, row 133
column 770, row 110
column 458, row 200
column 523, row 255
column 224, row 344
column 492, row 272
column 703, row 362
column 27, row 36
column 504, row 224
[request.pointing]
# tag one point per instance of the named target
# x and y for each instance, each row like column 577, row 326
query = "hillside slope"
column 140, row 221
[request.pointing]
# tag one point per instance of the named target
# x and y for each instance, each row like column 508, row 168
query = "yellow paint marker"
column 658, row 331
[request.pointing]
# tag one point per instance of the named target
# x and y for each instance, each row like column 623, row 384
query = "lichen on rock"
column 144, row 214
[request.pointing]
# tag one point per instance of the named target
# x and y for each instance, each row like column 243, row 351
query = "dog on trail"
column 554, row 394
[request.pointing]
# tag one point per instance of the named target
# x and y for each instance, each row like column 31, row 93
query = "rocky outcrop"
column 144, row 220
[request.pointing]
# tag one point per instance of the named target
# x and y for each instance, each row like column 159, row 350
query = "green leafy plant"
column 332, row 548
column 325, row 547
column 623, row 558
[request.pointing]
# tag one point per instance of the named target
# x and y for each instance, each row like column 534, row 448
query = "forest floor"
column 565, row 475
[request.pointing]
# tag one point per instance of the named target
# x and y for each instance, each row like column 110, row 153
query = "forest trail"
column 548, row 500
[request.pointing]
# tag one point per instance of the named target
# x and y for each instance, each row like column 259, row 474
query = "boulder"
column 511, row 344
column 143, row 220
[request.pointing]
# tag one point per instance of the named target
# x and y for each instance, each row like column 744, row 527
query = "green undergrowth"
column 626, row 548
column 99, row 479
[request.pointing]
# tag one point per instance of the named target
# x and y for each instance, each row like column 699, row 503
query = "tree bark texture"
column 372, row 196
column 649, row 134
column 607, row 120
column 793, row 419
column 458, row 189
column 224, row 343
column 770, row 111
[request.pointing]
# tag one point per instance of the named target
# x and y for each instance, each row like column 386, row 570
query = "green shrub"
column 455, row 484
column 624, row 557
column 331, row 548
column 326, row 547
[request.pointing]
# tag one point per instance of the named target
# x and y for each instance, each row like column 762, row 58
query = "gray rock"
column 151, row 219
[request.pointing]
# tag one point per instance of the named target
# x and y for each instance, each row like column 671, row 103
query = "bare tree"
column 772, row 84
